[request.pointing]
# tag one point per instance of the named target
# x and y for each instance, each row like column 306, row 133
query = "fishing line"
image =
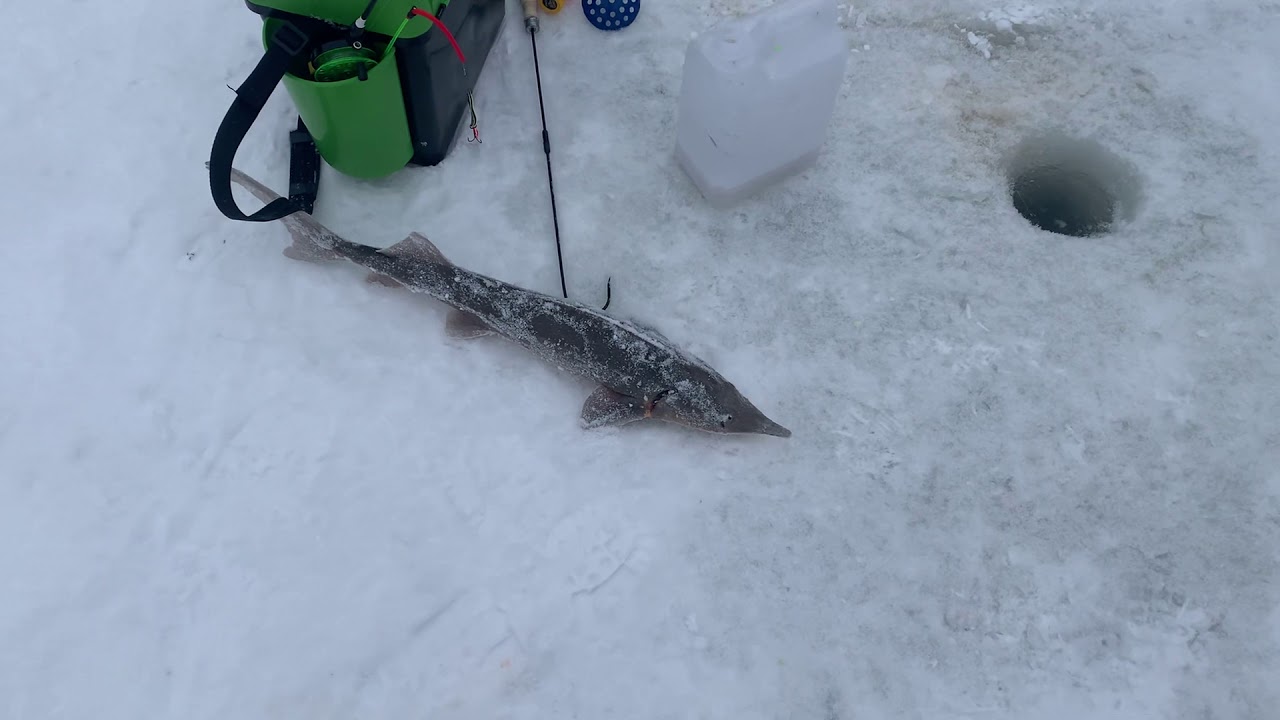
column 415, row 10
column 343, row 61
column 475, row 121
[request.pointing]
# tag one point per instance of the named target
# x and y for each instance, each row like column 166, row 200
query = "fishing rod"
column 531, row 24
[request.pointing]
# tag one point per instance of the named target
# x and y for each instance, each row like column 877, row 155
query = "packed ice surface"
column 1032, row 476
column 756, row 97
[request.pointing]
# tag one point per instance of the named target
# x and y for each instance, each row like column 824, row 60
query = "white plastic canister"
column 757, row 96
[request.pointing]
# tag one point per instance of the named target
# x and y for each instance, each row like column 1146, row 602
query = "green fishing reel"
column 341, row 60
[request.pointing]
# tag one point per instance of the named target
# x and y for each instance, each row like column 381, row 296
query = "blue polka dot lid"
column 611, row 14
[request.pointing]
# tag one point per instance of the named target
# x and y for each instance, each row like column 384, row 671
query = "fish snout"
column 754, row 421
column 769, row 427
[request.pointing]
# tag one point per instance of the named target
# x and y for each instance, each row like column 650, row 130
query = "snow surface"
column 1032, row 476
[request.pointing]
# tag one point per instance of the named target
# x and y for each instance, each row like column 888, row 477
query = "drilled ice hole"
column 1071, row 187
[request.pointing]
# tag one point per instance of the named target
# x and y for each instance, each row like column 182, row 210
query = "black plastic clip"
column 289, row 38
column 304, row 168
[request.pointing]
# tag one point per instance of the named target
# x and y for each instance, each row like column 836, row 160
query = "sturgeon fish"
column 641, row 374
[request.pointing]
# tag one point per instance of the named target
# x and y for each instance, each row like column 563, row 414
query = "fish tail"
column 312, row 242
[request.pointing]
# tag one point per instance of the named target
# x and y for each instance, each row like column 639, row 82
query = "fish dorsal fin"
column 417, row 247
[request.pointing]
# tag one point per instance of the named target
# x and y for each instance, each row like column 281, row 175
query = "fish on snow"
column 641, row 375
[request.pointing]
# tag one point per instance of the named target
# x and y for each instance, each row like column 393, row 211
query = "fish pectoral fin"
column 305, row 250
column 460, row 324
column 417, row 247
column 606, row 406
column 380, row 279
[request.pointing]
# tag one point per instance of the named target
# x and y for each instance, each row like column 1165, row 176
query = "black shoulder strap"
column 251, row 97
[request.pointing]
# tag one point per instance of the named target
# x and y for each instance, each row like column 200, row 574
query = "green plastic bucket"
column 360, row 127
column 384, row 20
